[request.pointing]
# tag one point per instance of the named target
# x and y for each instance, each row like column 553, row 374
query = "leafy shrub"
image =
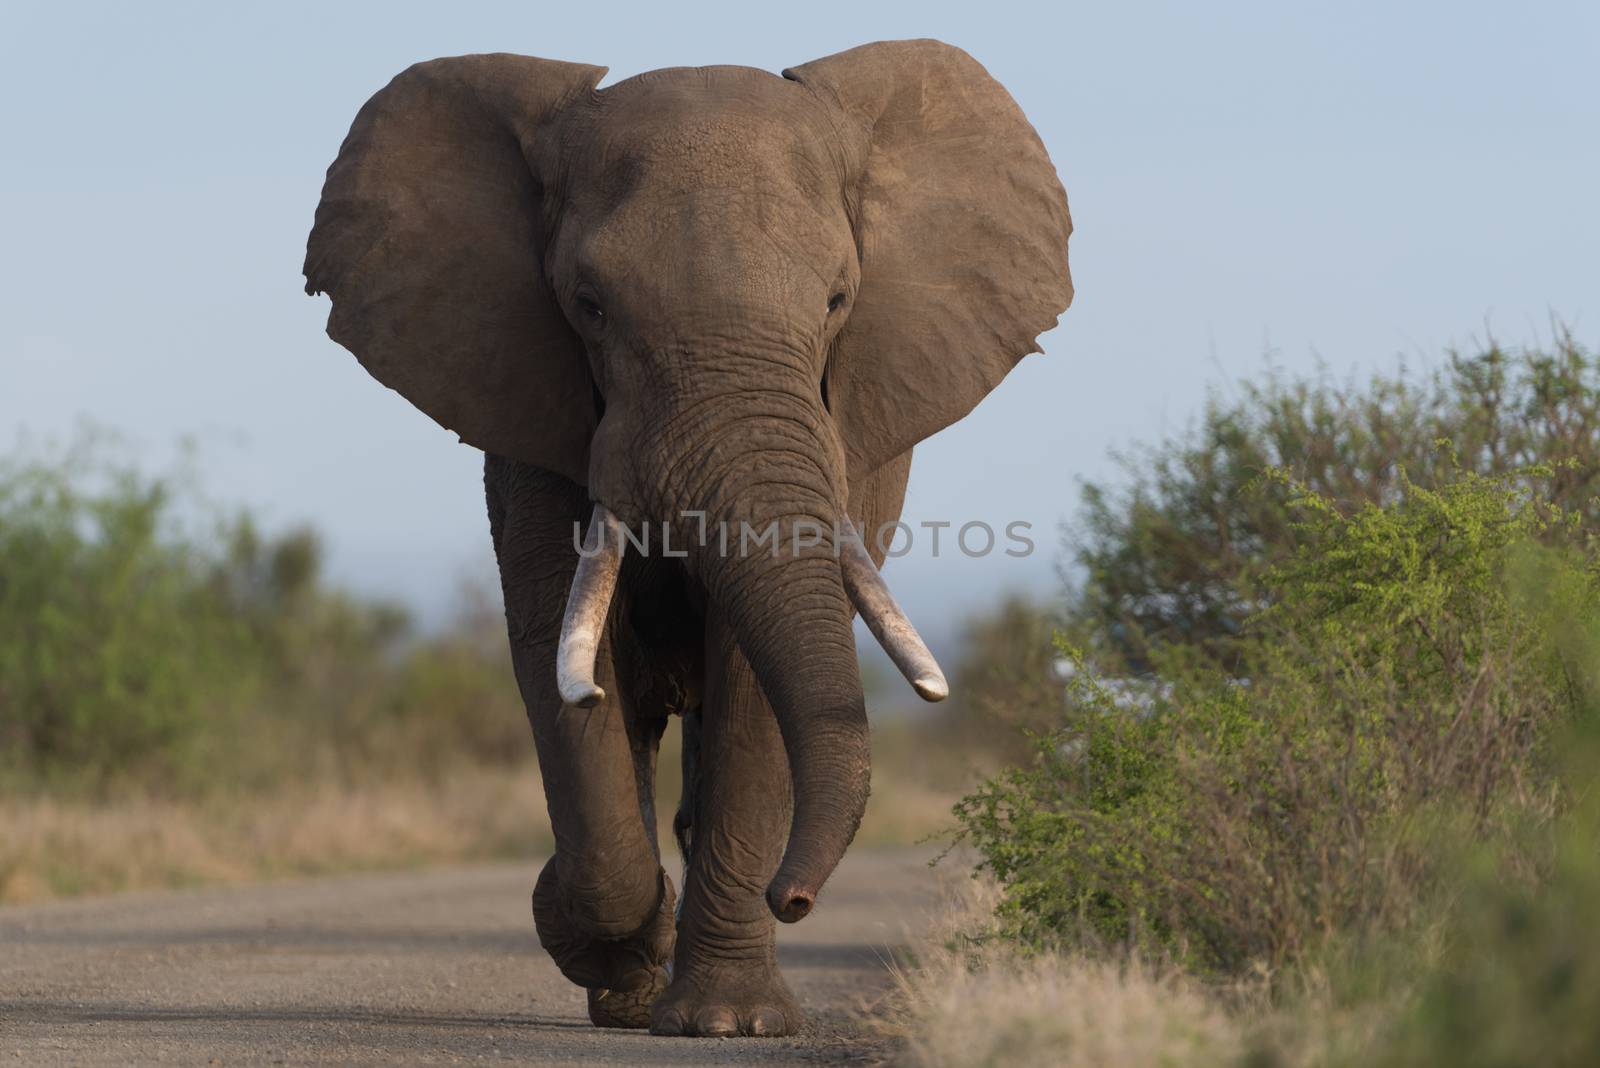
column 146, row 641
column 1175, row 557
column 1411, row 665
column 108, row 632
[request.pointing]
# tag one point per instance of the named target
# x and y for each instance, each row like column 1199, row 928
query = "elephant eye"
column 590, row 310
column 836, row 302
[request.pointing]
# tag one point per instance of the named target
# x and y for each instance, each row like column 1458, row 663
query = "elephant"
column 696, row 295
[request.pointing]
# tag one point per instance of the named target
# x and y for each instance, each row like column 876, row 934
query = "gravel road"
column 436, row 967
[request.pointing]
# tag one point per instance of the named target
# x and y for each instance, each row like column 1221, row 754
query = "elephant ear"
column 961, row 226
column 428, row 238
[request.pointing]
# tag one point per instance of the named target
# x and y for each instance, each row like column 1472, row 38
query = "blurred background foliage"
column 148, row 642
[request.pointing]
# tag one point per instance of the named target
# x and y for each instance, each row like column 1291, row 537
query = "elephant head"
column 709, row 290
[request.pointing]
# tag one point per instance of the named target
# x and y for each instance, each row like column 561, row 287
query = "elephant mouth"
column 595, row 583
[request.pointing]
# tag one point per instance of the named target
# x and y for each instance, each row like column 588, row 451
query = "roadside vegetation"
column 184, row 698
column 1303, row 770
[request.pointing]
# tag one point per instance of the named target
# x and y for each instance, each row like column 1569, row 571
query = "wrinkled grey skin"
column 706, row 289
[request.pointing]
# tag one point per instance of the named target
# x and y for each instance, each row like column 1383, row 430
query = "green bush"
column 1174, row 558
column 147, row 642
column 108, row 633
column 1405, row 675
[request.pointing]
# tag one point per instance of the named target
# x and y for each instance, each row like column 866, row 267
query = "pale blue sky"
column 1355, row 181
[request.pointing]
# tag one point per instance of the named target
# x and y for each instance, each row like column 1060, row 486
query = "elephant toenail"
column 716, row 1022
column 668, row 1022
column 767, row 1022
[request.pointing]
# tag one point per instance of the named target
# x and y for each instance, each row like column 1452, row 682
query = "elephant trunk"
column 805, row 658
column 766, row 470
column 792, row 619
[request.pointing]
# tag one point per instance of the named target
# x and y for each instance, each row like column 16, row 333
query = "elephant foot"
column 626, row 1008
column 727, row 999
column 623, row 975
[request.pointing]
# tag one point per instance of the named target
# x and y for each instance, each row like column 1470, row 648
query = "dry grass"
column 54, row 847
column 59, row 846
column 969, row 1001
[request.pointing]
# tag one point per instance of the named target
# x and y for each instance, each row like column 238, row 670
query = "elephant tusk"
column 885, row 619
column 587, row 607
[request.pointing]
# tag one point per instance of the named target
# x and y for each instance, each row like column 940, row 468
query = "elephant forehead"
column 703, row 150
column 723, row 244
column 692, row 128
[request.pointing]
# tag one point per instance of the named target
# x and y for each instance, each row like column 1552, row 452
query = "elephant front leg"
column 725, row 976
column 602, row 905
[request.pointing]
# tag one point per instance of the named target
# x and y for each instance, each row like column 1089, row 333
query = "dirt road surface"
column 411, row 968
